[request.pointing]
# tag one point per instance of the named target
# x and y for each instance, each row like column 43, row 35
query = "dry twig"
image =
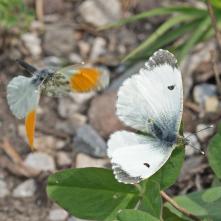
column 179, row 208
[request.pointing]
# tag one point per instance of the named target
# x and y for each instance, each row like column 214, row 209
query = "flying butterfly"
column 23, row 93
column 150, row 102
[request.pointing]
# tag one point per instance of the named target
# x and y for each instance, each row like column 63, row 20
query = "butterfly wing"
column 77, row 78
column 152, row 101
column 136, row 157
column 23, row 98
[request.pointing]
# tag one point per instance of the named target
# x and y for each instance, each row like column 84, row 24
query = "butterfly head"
column 42, row 75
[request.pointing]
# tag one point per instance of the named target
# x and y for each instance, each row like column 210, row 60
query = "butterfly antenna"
column 206, row 128
column 201, row 151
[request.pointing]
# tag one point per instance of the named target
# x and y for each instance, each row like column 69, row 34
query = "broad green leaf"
column 157, row 12
column 91, row 193
column 205, row 204
column 169, row 216
column 135, row 215
column 216, row 3
column 211, row 195
column 151, row 201
column 214, row 153
column 168, row 174
column 167, row 25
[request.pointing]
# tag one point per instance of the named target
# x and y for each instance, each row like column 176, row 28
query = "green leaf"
column 169, row 216
column 204, row 204
column 195, row 37
column 212, row 194
column 158, row 33
column 91, row 193
column 214, row 153
column 135, row 215
column 168, row 174
column 151, row 201
column 157, row 12
column 168, row 38
column 216, row 3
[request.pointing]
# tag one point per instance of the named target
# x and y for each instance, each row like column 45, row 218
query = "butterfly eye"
column 146, row 164
column 171, row 87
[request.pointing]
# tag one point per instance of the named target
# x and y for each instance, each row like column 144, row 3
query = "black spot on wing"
column 171, row 87
column 123, row 176
column 161, row 57
column 147, row 165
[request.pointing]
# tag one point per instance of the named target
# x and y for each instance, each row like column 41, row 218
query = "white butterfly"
column 152, row 103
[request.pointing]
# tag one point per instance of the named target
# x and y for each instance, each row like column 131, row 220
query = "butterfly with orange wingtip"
column 23, row 93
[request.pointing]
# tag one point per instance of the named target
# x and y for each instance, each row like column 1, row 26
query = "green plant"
column 13, row 13
column 184, row 27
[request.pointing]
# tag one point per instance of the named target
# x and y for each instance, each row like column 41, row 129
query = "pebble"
column 115, row 85
column 98, row 48
column 40, row 161
column 189, row 150
column 59, row 40
column 88, row 141
column 63, row 159
column 84, row 48
column 83, row 160
column 189, row 164
column 205, row 134
column 102, row 115
column 25, row 189
column 33, row 43
column 211, row 104
column 82, row 98
column 4, row 191
column 58, row 215
column 99, row 12
column 75, row 58
column 53, row 61
column 53, row 6
column 66, row 107
column 202, row 92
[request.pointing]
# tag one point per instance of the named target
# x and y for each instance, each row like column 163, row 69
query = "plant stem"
column 179, row 208
column 214, row 24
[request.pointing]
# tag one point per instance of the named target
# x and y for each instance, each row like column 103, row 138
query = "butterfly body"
column 150, row 102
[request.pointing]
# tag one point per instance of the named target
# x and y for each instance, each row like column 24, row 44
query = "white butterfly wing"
column 22, row 96
column 153, row 99
column 136, row 157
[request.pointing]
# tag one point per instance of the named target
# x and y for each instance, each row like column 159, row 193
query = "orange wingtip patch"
column 30, row 128
column 86, row 79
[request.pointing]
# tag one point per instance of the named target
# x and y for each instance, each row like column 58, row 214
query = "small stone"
column 102, row 115
column 202, row 92
column 33, row 43
column 84, row 48
column 88, row 141
column 58, row 215
column 66, row 107
column 53, row 6
column 53, row 61
column 63, row 159
column 205, row 134
column 191, row 162
column 98, row 48
column 83, row 160
column 40, row 161
column 82, row 98
column 211, row 104
column 193, row 142
column 99, row 12
column 4, row 191
column 59, row 40
column 75, row 58
column 25, row 189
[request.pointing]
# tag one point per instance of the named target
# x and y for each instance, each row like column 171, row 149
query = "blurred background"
column 72, row 131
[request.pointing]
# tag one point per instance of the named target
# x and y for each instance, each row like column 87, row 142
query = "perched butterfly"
column 23, row 93
column 152, row 103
